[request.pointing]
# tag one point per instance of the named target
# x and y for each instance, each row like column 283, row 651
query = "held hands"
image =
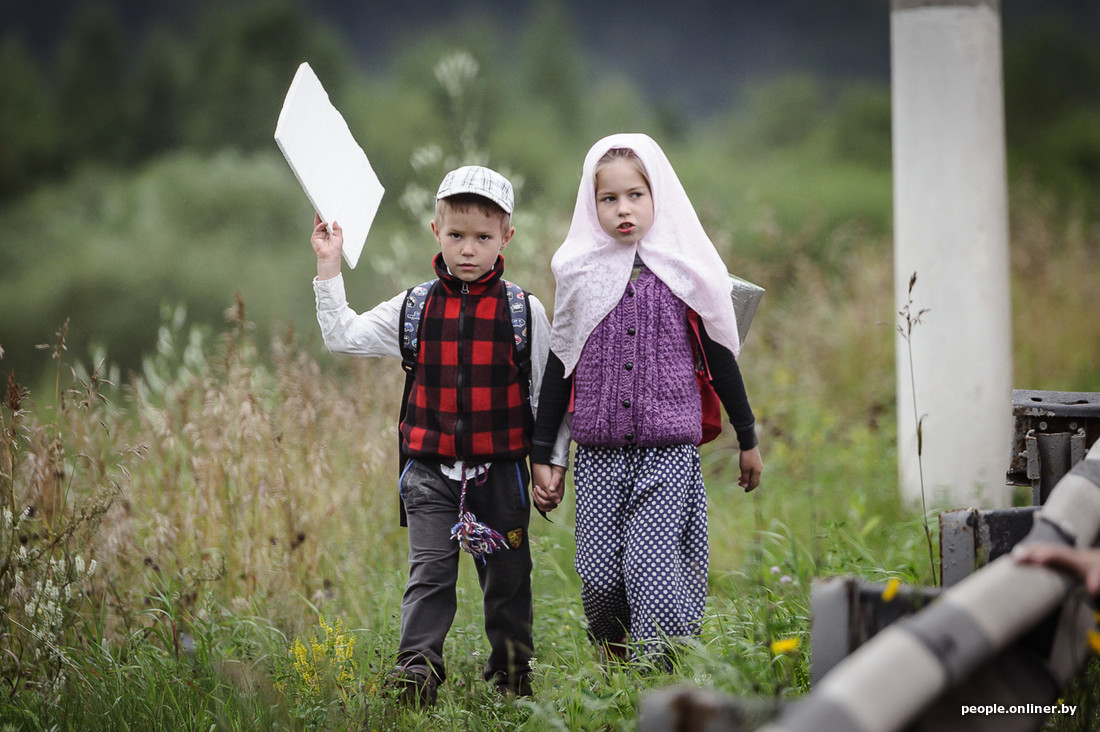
column 328, row 247
column 549, row 485
column 751, row 468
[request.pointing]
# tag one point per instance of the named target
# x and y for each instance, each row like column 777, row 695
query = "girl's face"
column 624, row 203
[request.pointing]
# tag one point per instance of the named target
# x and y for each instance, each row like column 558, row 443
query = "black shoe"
column 512, row 687
column 415, row 688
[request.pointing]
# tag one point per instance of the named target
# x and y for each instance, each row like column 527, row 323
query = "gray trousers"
column 429, row 604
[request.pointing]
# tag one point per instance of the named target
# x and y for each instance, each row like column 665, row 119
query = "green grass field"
column 237, row 498
column 205, row 536
column 199, row 522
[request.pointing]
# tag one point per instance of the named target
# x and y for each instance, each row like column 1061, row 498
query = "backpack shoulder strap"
column 519, row 310
column 697, row 344
column 412, row 314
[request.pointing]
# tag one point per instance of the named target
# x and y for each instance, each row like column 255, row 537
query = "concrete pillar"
column 951, row 229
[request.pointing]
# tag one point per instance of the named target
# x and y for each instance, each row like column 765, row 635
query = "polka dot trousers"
column 641, row 542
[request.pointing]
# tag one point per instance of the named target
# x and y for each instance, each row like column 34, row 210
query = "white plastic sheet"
column 330, row 165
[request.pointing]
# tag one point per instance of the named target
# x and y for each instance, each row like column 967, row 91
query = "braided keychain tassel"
column 473, row 536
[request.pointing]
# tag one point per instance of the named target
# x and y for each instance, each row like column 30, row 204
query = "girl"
column 634, row 272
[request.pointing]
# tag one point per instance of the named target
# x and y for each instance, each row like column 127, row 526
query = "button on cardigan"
column 635, row 381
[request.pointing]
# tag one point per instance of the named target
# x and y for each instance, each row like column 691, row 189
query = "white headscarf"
column 592, row 269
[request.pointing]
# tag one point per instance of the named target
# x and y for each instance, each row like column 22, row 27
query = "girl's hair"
column 621, row 153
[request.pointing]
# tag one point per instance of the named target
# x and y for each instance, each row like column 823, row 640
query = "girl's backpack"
column 712, row 406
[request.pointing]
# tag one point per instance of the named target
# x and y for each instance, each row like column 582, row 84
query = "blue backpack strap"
column 412, row 314
column 519, row 310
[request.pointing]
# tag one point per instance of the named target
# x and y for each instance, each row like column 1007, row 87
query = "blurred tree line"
column 140, row 172
column 1052, row 110
column 104, row 98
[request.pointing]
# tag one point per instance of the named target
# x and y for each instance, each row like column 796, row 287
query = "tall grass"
column 238, row 504
column 232, row 502
column 1055, row 254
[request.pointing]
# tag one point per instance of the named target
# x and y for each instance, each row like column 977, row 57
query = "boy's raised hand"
column 549, row 485
column 328, row 247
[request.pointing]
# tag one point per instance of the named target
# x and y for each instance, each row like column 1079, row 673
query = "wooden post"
column 951, row 230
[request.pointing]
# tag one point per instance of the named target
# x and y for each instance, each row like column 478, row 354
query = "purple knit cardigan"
column 635, row 381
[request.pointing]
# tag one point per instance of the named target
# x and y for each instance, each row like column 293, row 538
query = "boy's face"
column 470, row 240
column 624, row 203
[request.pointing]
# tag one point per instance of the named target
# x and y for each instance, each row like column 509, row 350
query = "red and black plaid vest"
column 467, row 400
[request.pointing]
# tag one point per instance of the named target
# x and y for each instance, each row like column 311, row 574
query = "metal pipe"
column 887, row 683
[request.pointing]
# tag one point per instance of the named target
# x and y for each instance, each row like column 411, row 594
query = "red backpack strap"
column 700, row 356
column 711, row 405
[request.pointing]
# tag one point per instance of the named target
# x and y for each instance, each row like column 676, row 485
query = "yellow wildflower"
column 785, row 645
column 891, row 590
column 324, row 659
column 1094, row 640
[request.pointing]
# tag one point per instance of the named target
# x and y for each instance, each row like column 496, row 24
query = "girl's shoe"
column 609, row 652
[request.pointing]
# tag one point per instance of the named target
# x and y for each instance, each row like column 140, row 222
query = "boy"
column 465, row 427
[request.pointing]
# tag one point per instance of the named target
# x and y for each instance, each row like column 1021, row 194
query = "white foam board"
column 330, row 165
